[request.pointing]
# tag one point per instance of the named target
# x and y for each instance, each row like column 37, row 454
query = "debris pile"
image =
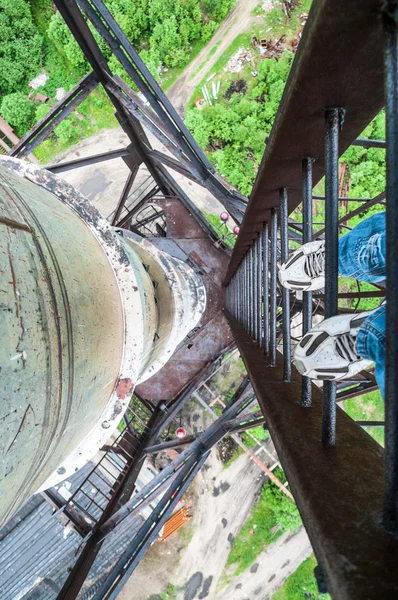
column 268, row 48
column 38, row 81
column 297, row 37
column 238, row 60
column 239, row 86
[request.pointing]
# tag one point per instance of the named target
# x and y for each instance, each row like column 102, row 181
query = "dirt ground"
column 238, row 20
column 221, row 500
column 102, row 183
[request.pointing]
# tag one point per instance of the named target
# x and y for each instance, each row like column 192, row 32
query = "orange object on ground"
column 175, row 522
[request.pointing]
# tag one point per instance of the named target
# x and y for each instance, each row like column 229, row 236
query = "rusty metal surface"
column 327, row 71
column 187, row 239
column 339, row 491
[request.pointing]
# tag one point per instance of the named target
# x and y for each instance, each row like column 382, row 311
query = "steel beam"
column 341, row 510
column 125, row 193
column 58, row 113
column 319, row 78
column 77, row 163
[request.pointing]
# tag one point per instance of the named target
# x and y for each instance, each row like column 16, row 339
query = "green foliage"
column 234, row 131
column 220, row 230
column 21, row 45
column 259, row 433
column 170, row 593
column 67, row 131
column 272, row 514
column 41, row 111
column 301, row 584
column 366, row 167
column 369, row 407
column 59, row 33
column 217, row 9
column 18, row 111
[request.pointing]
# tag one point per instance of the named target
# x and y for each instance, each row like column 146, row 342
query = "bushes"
column 21, row 45
column 18, row 111
column 234, row 130
column 62, row 38
column 301, row 584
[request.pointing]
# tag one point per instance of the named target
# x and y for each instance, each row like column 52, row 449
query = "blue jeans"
column 362, row 255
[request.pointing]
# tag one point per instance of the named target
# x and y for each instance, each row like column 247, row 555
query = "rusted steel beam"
column 66, row 514
column 356, row 553
column 319, row 78
column 366, row 143
column 88, row 160
column 172, row 444
column 62, row 109
column 125, row 193
column 247, row 426
column 354, row 213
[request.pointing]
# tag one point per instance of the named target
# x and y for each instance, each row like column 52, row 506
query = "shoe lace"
column 314, row 265
column 345, row 346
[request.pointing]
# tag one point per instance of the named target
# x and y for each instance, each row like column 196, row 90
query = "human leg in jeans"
column 362, row 255
column 335, row 349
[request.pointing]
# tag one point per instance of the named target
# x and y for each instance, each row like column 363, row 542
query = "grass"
column 258, row 10
column 214, row 49
column 98, row 114
column 186, row 532
column 276, row 19
column 369, row 407
column 222, row 231
column 301, row 584
column 263, row 526
column 242, row 40
column 170, row 593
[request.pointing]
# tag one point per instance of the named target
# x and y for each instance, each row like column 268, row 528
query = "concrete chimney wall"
column 87, row 312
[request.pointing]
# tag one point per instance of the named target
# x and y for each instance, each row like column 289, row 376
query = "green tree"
column 21, row 45
column 18, row 111
column 60, row 35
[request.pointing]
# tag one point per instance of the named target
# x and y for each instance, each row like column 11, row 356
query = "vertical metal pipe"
column 331, row 257
column 306, row 399
column 250, row 290
column 391, row 385
column 273, row 288
column 247, row 292
column 254, row 290
column 284, row 215
column 266, row 287
column 252, row 294
column 259, row 290
column 243, row 271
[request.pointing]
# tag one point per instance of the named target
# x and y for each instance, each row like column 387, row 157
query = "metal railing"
column 318, row 119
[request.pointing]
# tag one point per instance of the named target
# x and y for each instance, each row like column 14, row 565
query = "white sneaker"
column 328, row 351
column 305, row 268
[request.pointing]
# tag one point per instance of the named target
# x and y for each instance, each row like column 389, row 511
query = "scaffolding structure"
column 345, row 486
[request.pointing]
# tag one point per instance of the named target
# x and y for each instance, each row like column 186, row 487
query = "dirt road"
column 103, row 183
column 271, row 568
column 238, row 20
column 226, row 499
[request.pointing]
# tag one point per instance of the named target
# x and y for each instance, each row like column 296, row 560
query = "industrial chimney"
column 88, row 312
